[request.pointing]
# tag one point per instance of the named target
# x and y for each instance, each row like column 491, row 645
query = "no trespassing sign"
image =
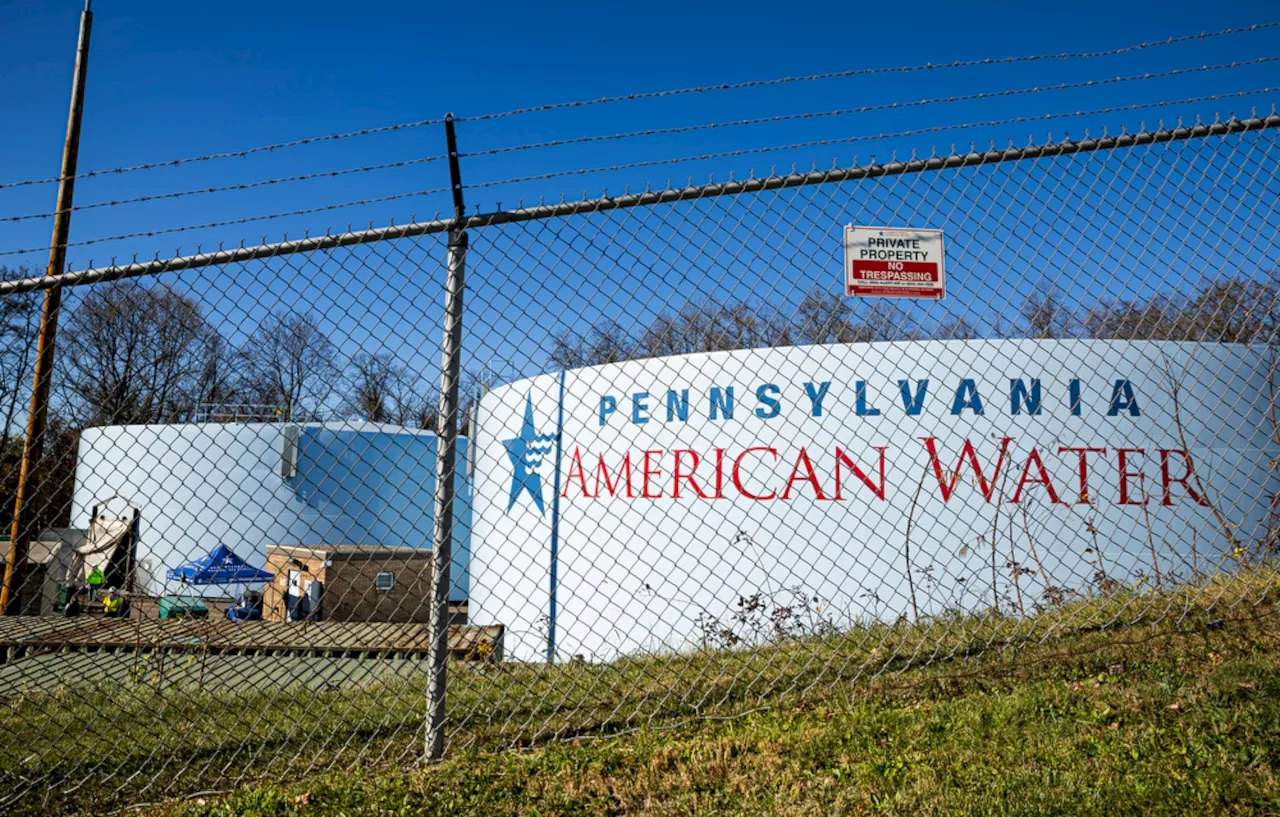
column 891, row 262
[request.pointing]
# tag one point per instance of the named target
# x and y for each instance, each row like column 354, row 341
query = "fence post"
column 446, row 458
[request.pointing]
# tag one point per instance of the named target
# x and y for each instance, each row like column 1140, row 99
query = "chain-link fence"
column 693, row 476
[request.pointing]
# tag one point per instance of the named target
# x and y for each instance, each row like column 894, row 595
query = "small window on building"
column 385, row 581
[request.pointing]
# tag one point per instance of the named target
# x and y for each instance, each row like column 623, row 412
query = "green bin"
column 183, row 607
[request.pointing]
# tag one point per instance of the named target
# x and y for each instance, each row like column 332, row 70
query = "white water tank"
column 248, row 485
column 867, row 476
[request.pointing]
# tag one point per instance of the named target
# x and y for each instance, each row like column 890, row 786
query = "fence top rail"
column 561, row 209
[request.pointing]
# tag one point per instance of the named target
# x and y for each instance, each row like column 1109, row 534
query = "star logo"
column 527, row 453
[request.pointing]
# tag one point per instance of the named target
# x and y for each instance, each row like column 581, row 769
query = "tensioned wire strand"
column 871, row 71
column 541, row 212
column 885, row 106
column 245, row 220
column 669, row 161
column 325, row 174
column 663, row 132
column 866, row 138
column 234, row 154
column 1070, row 55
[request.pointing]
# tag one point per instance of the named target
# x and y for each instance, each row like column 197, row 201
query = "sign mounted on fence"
column 889, row 262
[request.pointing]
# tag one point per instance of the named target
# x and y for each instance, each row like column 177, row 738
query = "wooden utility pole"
column 37, row 419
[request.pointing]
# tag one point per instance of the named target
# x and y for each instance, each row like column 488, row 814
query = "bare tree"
column 19, row 321
column 133, row 353
column 707, row 326
column 383, row 391
column 604, row 343
column 1233, row 310
column 750, row 326
column 885, row 320
column 1047, row 314
column 1160, row 318
column 19, row 315
column 955, row 329
column 218, row 380
column 825, row 317
column 1237, row 310
column 666, row 335
column 53, row 475
column 372, row 376
column 290, row 363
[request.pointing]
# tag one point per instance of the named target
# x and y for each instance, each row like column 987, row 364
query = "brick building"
column 348, row 583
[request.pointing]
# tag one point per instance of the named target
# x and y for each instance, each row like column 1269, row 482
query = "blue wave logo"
column 529, row 453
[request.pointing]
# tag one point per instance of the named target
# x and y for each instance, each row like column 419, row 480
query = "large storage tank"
column 249, row 485
column 632, row 506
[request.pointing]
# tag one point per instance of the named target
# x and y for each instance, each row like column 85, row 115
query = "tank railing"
column 240, row 413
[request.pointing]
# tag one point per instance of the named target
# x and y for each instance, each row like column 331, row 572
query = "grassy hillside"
column 1165, row 718
column 1152, row 703
column 1174, row 724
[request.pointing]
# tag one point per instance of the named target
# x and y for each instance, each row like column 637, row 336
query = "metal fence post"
column 446, row 460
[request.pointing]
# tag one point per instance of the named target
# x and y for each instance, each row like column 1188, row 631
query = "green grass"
column 1153, row 703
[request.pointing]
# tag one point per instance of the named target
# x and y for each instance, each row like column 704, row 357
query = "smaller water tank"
column 248, row 485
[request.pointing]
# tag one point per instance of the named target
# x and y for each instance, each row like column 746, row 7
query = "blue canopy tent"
column 221, row 566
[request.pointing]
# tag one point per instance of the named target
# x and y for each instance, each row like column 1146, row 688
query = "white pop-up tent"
column 103, row 540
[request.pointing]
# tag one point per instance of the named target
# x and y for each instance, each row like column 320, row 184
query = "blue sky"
column 172, row 80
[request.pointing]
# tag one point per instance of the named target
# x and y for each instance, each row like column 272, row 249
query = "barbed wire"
column 673, row 161
column 233, row 154
column 230, row 187
column 687, row 129
column 885, row 106
column 234, row 221
column 858, row 72
column 497, row 215
column 1017, row 120
column 1066, row 55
